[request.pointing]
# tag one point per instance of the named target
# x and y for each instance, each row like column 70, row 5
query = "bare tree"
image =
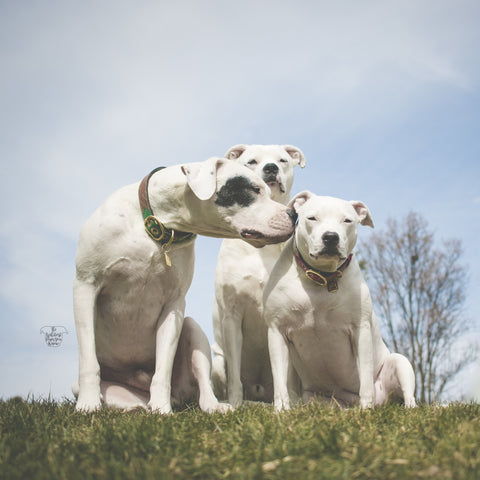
column 419, row 294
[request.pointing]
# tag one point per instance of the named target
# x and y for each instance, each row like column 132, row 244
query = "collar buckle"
column 154, row 228
column 315, row 277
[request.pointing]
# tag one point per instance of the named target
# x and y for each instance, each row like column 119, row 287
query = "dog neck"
column 153, row 226
column 323, row 279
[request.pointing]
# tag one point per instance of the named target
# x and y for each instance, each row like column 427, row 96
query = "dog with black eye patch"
column 134, row 265
column 237, row 190
column 321, row 324
column 241, row 366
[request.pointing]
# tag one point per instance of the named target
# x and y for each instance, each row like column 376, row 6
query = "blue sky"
column 383, row 97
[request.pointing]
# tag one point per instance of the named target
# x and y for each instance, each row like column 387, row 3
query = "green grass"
column 46, row 440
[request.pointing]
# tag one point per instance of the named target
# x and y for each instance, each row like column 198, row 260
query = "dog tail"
column 257, row 392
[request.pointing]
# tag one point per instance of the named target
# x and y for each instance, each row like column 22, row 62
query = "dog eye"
column 312, row 219
column 256, row 189
column 283, row 160
column 252, row 162
column 348, row 220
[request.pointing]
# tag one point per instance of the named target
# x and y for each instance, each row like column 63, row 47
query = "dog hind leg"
column 192, row 370
column 396, row 380
column 116, row 395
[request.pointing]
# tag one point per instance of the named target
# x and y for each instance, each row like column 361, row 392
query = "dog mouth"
column 252, row 235
column 330, row 253
column 272, row 181
column 258, row 239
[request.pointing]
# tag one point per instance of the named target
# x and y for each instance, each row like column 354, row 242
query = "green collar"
column 156, row 229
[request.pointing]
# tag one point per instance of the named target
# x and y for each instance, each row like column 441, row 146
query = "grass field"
column 47, row 440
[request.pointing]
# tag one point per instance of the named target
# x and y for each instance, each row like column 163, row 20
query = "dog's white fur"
column 331, row 340
column 129, row 305
column 241, row 366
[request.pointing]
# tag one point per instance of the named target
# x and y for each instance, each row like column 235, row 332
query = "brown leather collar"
column 328, row 279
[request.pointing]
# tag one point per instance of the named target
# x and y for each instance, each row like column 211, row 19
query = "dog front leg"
column 233, row 339
column 168, row 332
column 84, row 297
column 279, row 359
column 365, row 364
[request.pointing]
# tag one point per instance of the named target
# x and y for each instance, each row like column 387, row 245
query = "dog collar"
column 156, row 229
column 328, row 279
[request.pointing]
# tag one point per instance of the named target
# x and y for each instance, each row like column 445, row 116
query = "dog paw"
column 281, row 405
column 160, row 408
column 88, row 406
column 235, row 400
column 218, row 407
column 88, row 400
column 410, row 403
column 366, row 403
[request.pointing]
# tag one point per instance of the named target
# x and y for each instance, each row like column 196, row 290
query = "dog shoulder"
column 283, row 282
column 107, row 226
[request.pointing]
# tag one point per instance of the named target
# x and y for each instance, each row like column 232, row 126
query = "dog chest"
column 143, row 282
column 324, row 357
column 133, row 293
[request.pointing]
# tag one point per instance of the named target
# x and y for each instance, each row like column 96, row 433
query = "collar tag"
column 332, row 285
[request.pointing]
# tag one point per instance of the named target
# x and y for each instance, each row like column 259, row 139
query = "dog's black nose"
column 270, row 169
column 330, row 239
column 293, row 215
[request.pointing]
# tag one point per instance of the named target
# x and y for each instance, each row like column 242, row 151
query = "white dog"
column 319, row 314
column 241, row 366
column 134, row 269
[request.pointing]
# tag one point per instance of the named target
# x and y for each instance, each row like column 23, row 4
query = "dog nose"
column 270, row 169
column 293, row 215
column 330, row 239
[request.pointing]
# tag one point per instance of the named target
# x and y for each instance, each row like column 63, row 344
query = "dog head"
column 273, row 163
column 327, row 228
column 235, row 203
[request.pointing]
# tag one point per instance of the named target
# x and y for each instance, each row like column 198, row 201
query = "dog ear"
column 296, row 154
column 234, row 152
column 299, row 199
column 202, row 177
column 363, row 213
